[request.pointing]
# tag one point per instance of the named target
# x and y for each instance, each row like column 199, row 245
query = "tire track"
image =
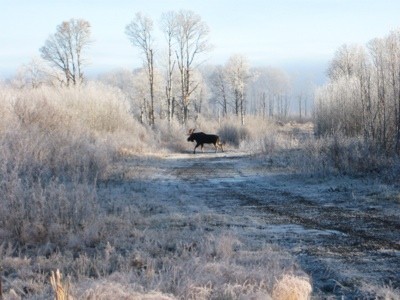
column 309, row 214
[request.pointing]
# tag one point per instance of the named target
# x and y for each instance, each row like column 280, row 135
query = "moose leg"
column 194, row 150
column 219, row 144
column 216, row 147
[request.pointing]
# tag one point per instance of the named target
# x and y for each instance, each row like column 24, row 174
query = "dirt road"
column 343, row 232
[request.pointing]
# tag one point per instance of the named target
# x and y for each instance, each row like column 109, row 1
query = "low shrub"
column 343, row 155
column 233, row 134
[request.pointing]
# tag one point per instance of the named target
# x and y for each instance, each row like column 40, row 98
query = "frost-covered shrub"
column 341, row 154
column 233, row 134
column 170, row 136
column 57, row 143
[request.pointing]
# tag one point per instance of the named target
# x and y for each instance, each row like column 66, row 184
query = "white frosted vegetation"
column 57, row 150
column 74, row 197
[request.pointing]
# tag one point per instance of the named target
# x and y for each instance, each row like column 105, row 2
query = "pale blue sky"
column 277, row 33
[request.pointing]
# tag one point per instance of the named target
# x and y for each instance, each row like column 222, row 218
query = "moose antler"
column 191, row 131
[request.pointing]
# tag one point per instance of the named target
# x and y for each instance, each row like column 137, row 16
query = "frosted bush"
column 291, row 287
column 56, row 146
column 233, row 134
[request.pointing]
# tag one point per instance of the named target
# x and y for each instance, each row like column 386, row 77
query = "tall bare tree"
column 238, row 73
column 64, row 50
column 140, row 33
column 169, row 27
column 219, row 87
column 393, row 48
column 191, row 38
column 343, row 63
column 379, row 58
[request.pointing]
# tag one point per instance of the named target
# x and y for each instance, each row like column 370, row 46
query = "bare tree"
column 261, row 94
column 64, row 49
column 33, row 75
column 300, row 99
column 379, row 59
column 238, row 73
column 219, row 87
column 169, row 27
column 393, row 48
column 191, row 38
column 200, row 95
column 343, row 62
column 140, row 33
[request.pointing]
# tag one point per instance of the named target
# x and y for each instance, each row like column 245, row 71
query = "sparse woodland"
column 362, row 98
column 60, row 134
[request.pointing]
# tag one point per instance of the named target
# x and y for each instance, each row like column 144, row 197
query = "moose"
column 201, row 138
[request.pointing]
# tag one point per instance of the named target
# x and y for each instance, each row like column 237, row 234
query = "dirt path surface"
column 343, row 232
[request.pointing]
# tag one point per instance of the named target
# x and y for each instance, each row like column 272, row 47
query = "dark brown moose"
column 201, row 138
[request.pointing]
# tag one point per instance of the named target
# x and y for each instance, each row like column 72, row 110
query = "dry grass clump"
column 291, row 287
column 60, row 288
